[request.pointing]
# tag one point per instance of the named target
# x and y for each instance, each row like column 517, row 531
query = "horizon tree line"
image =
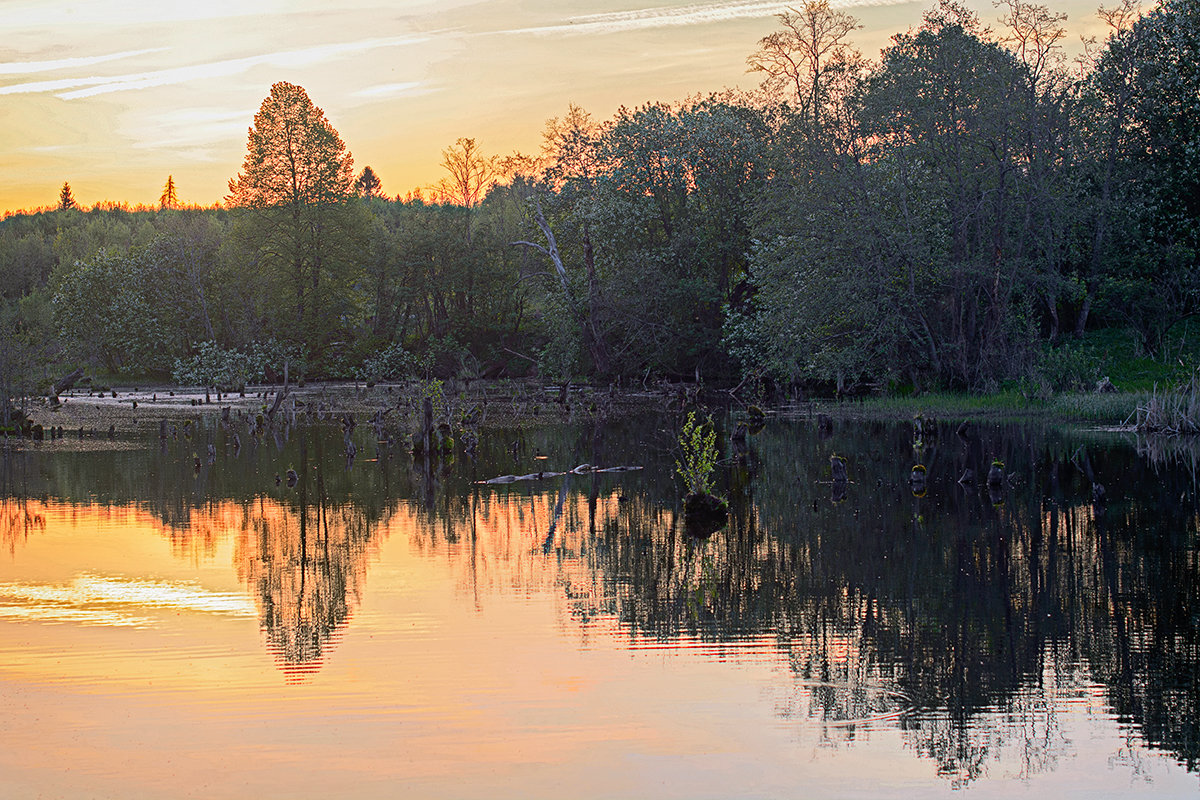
column 952, row 215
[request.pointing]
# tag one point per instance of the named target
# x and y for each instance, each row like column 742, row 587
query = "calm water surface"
column 392, row 628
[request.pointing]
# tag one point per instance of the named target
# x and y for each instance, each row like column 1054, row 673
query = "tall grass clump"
column 1174, row 411
column 1099, row 407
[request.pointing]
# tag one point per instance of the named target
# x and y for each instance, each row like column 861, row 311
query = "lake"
column 179, row 625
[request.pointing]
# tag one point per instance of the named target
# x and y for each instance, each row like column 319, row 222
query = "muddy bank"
column 130, row 411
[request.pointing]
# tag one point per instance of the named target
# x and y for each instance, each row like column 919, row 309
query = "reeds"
column 1174, row 411
column 1115, row 408
column 1101, row 408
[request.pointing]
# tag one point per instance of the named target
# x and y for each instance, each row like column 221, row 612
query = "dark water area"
column 900, row 632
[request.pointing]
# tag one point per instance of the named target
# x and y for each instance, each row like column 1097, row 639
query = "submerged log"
column 278, row 395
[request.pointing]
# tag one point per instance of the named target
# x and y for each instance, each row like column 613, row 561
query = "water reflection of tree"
column 1144, row 636
column 20, row 517
column 957, row 606
column 948, row 608
column 969, row 603
column 301, row 550
column 305, row 561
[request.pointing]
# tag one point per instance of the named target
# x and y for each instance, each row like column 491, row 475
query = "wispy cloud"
column 31, row 67
column 28, row 14
column 74, row 88
column 389, row 89
column 676, row 16
column 190, row 128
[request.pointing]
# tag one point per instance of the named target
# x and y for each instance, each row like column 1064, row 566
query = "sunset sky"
column 114, row 95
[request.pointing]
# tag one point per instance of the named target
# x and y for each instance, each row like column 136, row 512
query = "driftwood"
column 66, row 382
column 582, row 469
column 278, row 395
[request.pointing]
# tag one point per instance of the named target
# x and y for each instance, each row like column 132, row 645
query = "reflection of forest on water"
column 934, row 604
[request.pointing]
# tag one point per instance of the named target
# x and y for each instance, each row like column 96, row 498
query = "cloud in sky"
column 123, row 13
column 389, row 89
column 73, row 88
column 676, row 16
column 31, row 67
column 586, row 24
column 177, row 81
column 190, row 131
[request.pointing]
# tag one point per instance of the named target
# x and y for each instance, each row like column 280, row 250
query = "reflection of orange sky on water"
column 424, row 694
column 422, row 687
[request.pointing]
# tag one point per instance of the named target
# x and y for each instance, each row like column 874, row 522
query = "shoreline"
column 134, row 410
column 137, row 409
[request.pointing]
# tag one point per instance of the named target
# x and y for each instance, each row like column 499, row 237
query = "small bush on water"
column 698, row 454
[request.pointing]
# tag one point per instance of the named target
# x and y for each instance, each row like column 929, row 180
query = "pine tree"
column 368, row 184
column 169, row 199
column 65, row 199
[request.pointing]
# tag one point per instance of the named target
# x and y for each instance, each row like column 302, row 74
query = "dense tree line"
column 941, row 217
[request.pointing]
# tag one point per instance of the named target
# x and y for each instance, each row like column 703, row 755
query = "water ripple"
column 112, row 601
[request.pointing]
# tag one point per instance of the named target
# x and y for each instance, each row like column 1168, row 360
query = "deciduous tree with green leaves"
column 1145, row 116
column 107, row 309
column 697, row 454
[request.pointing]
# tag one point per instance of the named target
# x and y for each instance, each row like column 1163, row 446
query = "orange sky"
column 114, row 95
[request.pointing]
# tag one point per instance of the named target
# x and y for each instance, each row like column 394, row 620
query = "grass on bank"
column 1064, row 385
column 1116, row 408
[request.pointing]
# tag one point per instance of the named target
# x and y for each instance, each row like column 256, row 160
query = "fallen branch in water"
column 582, row 469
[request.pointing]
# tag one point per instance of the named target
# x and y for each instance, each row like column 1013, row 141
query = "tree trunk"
column 594, row 341
column 1084, row 310
column 427, row 426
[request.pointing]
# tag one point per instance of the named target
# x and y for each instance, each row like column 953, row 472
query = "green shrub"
column 698, row 454
column 1070, row 367
column 388, row 364
column 232, row 369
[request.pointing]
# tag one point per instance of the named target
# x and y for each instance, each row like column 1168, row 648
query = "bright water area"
column 395, row 628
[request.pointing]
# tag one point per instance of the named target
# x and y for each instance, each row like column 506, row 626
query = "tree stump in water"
column 995, row 477
column 837, row 467
column 704, row 514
